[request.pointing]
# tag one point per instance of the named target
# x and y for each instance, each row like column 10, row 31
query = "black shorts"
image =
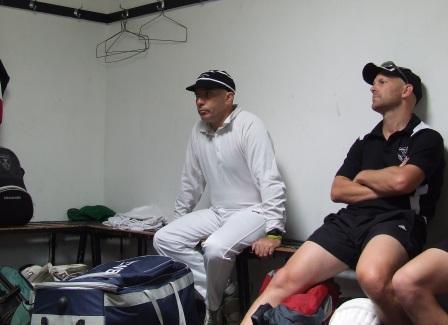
column 442, row 245
column 346, row 233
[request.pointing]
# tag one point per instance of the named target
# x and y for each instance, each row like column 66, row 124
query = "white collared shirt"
column 237, row 162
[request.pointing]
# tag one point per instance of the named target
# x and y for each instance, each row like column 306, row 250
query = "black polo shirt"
column 419, row 143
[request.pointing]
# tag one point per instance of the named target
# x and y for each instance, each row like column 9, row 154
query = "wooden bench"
column 52, row 229
column 96, row 231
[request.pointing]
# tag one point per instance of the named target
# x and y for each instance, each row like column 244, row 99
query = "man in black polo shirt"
column 390, row 181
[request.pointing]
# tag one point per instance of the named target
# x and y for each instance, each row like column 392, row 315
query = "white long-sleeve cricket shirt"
column 238, row 164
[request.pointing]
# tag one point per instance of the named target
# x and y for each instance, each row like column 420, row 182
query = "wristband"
column 275, row 232
column 274, row 237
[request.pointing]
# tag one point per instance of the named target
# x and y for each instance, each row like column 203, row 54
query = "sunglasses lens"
column 389, row 65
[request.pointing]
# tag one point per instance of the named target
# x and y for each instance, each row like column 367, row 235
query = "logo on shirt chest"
column 402, row 153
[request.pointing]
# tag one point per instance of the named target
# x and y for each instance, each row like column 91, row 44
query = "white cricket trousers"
column 226, row 233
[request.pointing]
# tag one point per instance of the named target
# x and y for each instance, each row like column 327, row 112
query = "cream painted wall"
column 54, row 108
column 89, row 132
column 297, row 65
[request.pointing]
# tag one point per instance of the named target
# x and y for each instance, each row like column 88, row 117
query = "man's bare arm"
column 391, row 181
column 344, row 190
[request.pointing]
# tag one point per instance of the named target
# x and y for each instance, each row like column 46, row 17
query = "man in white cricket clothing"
column 231, row 152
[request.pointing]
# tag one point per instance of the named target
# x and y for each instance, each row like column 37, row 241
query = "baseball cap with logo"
column 213, row 79
column 388, row 68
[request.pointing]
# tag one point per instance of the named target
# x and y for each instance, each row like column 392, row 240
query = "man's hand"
column 264, row 247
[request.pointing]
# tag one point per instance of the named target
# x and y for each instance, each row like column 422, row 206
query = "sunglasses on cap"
column 390, row 66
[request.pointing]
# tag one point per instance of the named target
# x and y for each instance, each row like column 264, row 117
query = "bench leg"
column 96, row 249
column 81, row 248
column 52, row 249
column 243, row 280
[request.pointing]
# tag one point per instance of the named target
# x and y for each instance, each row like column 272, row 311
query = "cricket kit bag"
column 139, row 291
column 16, row 206
column 313, row 307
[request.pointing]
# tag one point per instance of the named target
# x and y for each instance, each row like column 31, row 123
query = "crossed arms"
column 373, row 184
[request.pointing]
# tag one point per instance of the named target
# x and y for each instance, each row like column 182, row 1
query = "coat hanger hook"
column 76, row 12
column 32, row 5
column 161, row 6
column 125, row 13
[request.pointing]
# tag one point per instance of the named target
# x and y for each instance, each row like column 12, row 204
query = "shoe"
column 231, row 305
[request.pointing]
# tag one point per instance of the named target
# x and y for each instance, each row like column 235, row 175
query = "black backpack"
column 16, row 206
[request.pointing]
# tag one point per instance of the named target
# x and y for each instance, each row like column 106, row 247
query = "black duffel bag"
column 16, row 205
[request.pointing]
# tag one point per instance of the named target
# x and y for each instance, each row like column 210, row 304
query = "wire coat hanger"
column 106, row 50
column 161, row 8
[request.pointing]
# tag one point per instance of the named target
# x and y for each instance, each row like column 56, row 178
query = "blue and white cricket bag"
column 144, row 290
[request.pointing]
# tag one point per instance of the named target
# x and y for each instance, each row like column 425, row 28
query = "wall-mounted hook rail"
column 96, row 16
column 56, row 10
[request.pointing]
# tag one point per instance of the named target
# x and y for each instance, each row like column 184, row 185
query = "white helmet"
column 358, row 311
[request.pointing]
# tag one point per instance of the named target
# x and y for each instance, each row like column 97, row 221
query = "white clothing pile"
column 49, row 273
column 138, row 219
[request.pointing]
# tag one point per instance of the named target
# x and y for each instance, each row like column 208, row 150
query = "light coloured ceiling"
column 103, row 6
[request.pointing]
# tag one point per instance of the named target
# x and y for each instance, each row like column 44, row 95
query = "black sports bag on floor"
column 16, row 206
